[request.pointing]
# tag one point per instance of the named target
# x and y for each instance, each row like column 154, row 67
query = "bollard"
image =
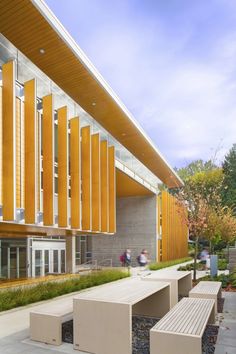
column 214, row 265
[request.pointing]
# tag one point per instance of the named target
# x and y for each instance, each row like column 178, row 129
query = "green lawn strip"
column 160, row 265
column 23, row 296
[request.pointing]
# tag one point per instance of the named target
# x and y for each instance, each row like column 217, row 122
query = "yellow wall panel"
column 96, row 187
column 18, row 152
column 0, row 145
column 38, row 161
column 174, row 231
column 48, row 161
column 104, row 187
column 62, row 167
column 75, row 172
column 112, row 189
column 22, row 154
column 86, row 177
column 8, row 153
column 30, row 151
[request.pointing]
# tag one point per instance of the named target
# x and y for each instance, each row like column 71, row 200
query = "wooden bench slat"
column 187, row 317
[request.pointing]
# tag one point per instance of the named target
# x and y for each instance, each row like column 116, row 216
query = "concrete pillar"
column 70, row 254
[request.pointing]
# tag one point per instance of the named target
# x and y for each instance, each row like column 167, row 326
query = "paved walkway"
column 226, row 340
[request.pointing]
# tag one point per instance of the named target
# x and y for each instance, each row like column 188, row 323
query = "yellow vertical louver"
column 75, row 172
column 62, row 167
column 30, row 151
column 9, row 141
column 86, row 177
column 48, row 161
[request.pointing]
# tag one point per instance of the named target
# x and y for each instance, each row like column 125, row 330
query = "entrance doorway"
column 13, row 259
column 48, row 257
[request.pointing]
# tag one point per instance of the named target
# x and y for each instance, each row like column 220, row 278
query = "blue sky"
column 172, row 63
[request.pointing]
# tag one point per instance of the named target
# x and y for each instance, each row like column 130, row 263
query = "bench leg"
column 168, row 343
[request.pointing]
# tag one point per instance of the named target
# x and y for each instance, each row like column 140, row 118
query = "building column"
column 70, row 254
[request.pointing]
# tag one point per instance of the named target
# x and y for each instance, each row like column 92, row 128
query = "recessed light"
column 123, row 134
column 93, row 103
column 41, row 51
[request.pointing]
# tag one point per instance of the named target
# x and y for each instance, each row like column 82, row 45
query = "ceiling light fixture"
column 93, row 103
column 41, row 51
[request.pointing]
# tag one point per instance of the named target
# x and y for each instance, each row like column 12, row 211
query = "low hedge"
column 23, row 296
column 160, row 265
column 227, row 280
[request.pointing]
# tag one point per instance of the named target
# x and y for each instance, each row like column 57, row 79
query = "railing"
column 94, row 265
column 105, row 263
column 90, row 265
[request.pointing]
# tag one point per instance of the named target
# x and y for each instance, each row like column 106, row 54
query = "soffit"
column 24, row 26
column 128, row 187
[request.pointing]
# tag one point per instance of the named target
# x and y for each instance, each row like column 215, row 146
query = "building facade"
column 78, row 176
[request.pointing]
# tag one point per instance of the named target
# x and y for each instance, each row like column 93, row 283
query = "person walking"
column 143, row 258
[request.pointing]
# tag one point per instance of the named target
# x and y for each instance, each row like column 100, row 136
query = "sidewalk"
column 200, row 273
column 226, row 340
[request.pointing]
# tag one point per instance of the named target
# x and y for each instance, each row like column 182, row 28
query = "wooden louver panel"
column 62, row 167
column 30, row 152
column 8, row 153
column 96, row 190
column 18, row 152
column 75, row 172
column 86, row 177
column 104, row 186
column 48, row 161
column 112, row 189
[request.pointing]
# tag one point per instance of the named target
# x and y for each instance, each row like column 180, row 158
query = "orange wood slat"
column 112, row 189
column 96, row 186
column 18, row 152
column 104, row 187
column 174, row 231
column 30, row 152
column 8, row 153
column 75, row 172
column 62, row 167
column 86, row 177
column 48, row 161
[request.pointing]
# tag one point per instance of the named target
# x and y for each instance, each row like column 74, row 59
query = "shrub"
column 160, row 265
column 222, row 264
column 48, row 290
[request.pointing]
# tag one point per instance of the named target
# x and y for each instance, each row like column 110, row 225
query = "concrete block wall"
column 136, row 229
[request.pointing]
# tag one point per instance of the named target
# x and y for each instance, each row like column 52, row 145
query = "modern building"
column 78, row 176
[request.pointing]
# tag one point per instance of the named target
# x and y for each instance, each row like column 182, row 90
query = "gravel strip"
column 141, row 326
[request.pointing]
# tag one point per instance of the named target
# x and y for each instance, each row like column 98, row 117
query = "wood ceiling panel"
column 28, row 30
column 128, row 187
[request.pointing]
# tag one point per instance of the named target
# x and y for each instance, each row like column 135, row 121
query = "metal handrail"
column 104, row 261
column 93, row 263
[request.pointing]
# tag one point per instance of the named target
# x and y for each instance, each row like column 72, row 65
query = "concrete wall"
column 136, row 229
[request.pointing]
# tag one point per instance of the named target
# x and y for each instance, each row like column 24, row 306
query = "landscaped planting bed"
column 48, row 290
column 160, row 265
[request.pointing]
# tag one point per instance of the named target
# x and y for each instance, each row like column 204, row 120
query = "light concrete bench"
column 46, row 322
column 103, row 316
column 180, row 331
column 207, row 290
column 180, row 282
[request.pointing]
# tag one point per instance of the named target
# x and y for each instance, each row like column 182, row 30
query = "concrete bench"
column 103, row 316
column 180, row 331
column 207, row 290
column 180, row 282
column 46, row 322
